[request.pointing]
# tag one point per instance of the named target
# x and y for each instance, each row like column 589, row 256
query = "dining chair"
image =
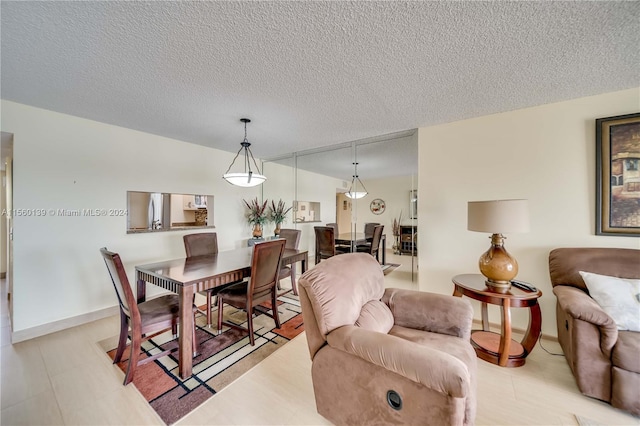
column 292, row 238
column 374, row 247
column 265, row 270
column 141, row 321
column 326, row 243
column 368, row 234
column 340, row 248
column 204, row 244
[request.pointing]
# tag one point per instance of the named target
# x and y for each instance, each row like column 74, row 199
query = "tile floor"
column 64, row 378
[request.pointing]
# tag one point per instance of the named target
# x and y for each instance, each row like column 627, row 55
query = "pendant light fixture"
column 246, row 178
column 353, row 189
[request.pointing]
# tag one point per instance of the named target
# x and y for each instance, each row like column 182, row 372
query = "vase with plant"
column 277, row 214
column 396, row 234
column 256, row 215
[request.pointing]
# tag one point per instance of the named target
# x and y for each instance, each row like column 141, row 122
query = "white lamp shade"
column 355, row 195
column 244, row 179
column 498, row 216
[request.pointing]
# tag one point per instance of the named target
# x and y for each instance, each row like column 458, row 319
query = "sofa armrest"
column 579, row 305
column 432, row 368
column 437, row 313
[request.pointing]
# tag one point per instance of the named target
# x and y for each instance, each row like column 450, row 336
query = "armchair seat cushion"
column 626, row 352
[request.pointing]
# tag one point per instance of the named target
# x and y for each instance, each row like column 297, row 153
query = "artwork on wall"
column 618, row 175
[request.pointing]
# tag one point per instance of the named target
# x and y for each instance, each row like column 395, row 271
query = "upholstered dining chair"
column 368, row 234
column 340, row 248
column 141, row 321
column 325, row 243
column 292, row 237
column 374, row 247
column 265, row 270
column 204, row 244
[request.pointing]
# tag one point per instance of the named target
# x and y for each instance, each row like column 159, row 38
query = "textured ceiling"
column 309, row 74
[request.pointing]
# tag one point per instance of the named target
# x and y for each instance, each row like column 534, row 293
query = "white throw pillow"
column 618, row 297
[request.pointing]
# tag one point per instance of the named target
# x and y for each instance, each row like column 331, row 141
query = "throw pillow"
column 618, row 297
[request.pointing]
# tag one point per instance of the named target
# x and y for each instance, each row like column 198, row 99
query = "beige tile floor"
column 64, row 378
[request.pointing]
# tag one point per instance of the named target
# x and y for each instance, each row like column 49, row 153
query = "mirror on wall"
column 161, row 211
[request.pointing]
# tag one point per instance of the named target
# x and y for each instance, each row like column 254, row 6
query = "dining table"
column 353, row 239
column 186, row 276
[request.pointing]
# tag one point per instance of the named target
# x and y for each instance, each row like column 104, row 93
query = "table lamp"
column 498, row 217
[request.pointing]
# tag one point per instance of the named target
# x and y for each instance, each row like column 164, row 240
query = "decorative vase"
column 257, row 230
column 396, row 244
column 277, row 230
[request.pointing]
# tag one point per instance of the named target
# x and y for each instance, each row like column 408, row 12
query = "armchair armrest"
column 579, row 305
column 432, row 368
column 437, row 313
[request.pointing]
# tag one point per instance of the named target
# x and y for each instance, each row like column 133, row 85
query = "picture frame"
column 618, row 175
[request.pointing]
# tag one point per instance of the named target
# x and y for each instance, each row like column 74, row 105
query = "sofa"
column 386, row 356
column 604, row 359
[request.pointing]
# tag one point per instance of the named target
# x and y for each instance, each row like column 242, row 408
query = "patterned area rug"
column 222, row 358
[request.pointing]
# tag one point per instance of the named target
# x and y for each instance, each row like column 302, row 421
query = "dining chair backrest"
column 128, row 303
column 292, row 236
column 265, row 267
column 377, row 236
column 335, row 228
column 201, row 244
column 368, row 229
column 325, row 241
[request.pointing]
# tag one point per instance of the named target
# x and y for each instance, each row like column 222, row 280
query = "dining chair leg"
column 122, row 340
column 220, row 306
column 274, row 307
column 133, row 360
column 209, row 307
column 193, row 337
column 252, row 339
column 293, row 280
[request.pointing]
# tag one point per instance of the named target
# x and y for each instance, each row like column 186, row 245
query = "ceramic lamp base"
column 497, row 265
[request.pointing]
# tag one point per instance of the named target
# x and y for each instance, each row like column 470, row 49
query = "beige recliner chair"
column 386, row 356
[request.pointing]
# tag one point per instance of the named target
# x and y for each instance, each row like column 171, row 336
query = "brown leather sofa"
column 386, row 356
column 604, row 360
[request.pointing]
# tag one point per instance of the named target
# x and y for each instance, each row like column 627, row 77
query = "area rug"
column 222, row 358
column 389, row 267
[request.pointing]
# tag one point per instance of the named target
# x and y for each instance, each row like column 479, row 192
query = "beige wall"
column 65, row 162
column 545, row 154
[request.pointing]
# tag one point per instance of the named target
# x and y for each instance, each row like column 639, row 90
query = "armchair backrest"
column 334, row 293
column 565, row 264
column 200, row 244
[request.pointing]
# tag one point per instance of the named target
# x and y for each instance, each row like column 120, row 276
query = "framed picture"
column 618, row 175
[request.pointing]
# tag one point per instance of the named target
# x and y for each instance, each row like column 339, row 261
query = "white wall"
column 395, row 192
column 545, row 154
column 65, row 162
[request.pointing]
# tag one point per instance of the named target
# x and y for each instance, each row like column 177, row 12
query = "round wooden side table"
column 500, row 348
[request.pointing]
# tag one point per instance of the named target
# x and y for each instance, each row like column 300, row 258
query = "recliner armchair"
column 603, row 359
column 386, row 356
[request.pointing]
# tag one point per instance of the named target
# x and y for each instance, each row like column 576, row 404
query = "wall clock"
column 377, row 206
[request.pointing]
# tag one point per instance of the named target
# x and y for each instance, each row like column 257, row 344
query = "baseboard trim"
column 494, row 326
column 52, row 327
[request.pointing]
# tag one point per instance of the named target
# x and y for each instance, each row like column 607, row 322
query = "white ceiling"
column 309, row 74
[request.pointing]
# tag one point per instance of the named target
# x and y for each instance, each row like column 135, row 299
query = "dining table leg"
column 185, row 342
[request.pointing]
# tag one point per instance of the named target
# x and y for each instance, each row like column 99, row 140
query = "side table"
column 500, row 348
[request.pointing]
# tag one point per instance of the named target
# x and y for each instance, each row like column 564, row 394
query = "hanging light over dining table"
column 248, row 177
column 353, row 192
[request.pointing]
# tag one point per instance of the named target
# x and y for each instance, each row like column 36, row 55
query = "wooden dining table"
column 186, row 276
column 353, row 239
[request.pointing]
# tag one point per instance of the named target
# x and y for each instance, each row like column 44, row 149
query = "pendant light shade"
column 247, row 177
column 353, row 192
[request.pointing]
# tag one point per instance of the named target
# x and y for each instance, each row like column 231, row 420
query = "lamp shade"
column 498, row 216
